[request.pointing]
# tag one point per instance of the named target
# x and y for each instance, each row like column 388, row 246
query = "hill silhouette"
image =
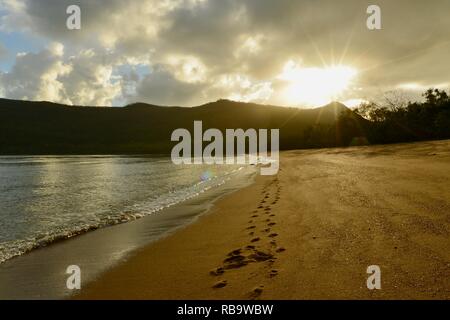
column 49, row 128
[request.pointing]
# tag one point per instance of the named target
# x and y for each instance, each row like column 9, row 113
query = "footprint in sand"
column 251, row 227
column 241, row 257
column 220, row 284
column 255, row 293
column 255, row 239
column 217, row 272
column 255, row 216
column 272, row 235
column 281, row 249
column 260, row 256
column 235, row 261
column 273, row 273
column 271, row 224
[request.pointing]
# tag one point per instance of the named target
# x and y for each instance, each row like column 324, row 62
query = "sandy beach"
column 309, row 232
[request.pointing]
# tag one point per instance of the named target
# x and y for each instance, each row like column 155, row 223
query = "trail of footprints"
column 262, row 246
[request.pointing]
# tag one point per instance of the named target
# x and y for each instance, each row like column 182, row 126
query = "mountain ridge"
column 28, row 127
column 145, row 104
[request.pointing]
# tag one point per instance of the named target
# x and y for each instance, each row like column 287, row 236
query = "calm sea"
column 48, row 198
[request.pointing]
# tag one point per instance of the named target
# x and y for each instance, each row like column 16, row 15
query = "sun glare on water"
column 315, row 86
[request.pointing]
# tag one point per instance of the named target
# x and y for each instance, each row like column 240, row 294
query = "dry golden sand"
column 312, row 230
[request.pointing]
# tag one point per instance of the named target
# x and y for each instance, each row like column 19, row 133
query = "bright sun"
column 315, row 86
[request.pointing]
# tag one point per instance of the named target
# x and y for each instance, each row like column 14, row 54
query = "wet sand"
column 41, row 273
column 309, row 233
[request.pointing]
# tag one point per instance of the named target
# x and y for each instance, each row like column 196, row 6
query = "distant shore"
column 309, row 233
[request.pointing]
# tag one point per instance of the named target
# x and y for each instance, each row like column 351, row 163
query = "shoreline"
column 309, row 233
column 170, row 268
column 41, row 272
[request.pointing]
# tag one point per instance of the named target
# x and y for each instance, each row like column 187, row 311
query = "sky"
column 189, row 52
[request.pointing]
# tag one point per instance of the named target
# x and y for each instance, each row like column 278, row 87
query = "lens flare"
column 206, row 175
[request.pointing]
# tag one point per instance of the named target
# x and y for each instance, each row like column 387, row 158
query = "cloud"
column 200, row 50
column 161, row 87
column 35, row 76
column 91, row 80
column 85, row 79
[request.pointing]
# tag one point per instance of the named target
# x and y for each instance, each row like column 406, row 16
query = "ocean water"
column 44, row 199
